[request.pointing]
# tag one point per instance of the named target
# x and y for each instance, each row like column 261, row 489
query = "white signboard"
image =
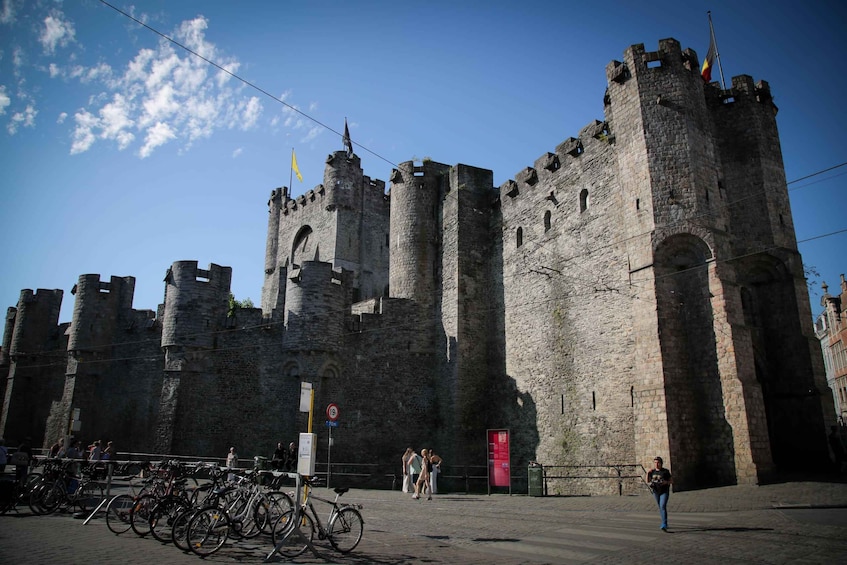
column 306, row 454
column 305, row 397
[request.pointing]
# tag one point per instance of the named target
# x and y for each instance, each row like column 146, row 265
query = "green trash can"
column 535, row 482
column 261, row 464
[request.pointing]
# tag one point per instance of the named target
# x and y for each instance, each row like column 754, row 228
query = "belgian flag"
column 709, row 61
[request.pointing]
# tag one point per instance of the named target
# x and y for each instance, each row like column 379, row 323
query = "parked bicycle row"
column 198, row 508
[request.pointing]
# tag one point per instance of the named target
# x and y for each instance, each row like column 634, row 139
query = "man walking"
column 659, row 481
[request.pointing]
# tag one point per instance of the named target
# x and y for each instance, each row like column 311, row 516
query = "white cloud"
column 115, row 121
column 164, row 94
column 159, row 105
column 237, row 152
column 17, row 57
column 252, row 111
column 313, row 133
column 5, row 101
column 83, row 136
column 157, row 135
column 7, row 12
column 25, row 119
column 62, row 117
column 57, row 32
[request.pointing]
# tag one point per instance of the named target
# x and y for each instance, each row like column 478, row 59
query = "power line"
column 817, row 173
column 245, row 81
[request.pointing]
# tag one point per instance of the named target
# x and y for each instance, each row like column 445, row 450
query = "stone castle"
column 636, row 291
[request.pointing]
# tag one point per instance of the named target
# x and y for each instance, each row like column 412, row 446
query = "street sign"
column 332, row 412
column 331, row 424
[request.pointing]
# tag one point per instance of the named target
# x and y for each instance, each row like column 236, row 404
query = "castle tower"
column 316, row 306
column 5, row 359
column 769, row 271
column 273, row 301
column 708, row 412
column 465, row 305
column 416, row 194
column 36, row 364
column 343, row 221
column 102, row 311
column 196, row 304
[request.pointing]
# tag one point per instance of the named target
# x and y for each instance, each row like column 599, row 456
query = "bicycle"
column 60, row 487
column 344, row 525
column 243, row 511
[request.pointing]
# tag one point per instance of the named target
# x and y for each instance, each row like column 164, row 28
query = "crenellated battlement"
column 36, row 318
column 593, row 139
column 638, row 61
column 742, row 89
column 196, row 302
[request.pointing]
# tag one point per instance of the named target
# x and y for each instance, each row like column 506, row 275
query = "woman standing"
column 422, row 484
column 231, row 462
column 407, row 478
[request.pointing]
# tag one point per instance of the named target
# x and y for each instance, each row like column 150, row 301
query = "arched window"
column 547, row 216
column 583, row 200
column 302, row 249
column 520, row 237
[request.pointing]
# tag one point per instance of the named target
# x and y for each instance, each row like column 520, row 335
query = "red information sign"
column 499, row 472
column 332, row 412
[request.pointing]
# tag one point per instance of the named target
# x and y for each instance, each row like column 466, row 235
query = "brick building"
column 831, row 330
column 636, row 291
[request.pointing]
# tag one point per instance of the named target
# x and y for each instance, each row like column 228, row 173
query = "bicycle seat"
column 341, row 490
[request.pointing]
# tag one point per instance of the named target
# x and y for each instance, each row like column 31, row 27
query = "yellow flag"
column 294, row 166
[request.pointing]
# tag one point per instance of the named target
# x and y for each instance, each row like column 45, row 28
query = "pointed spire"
column 348, row 145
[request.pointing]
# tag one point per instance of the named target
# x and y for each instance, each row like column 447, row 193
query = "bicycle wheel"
column 139, row 514
column 208, row 530
column 270, row 507
column 294, row 544
column 162, row 516
column 87, row 496
column 46, row 497
column 344, row 530
column 179, row 528
column 117, row 513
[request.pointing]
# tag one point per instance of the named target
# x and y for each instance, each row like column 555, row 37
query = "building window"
column 520, row 237
column 583, row 200
column 547, row 216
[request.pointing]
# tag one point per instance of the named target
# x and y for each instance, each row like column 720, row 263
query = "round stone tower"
column 315, row 301
column 414, row 230
column 196, row 303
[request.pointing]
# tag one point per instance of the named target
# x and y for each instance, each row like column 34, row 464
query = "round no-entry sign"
column 332, row 412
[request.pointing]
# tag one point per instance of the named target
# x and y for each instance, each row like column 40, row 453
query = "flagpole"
column 717, row 51
column 291, row 171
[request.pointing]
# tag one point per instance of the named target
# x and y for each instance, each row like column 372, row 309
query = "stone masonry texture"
column 636, row 291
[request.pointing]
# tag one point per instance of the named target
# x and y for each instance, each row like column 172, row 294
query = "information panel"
column 499, row 471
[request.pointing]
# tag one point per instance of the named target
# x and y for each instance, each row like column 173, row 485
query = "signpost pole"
column 332, row 421
column 328, row 452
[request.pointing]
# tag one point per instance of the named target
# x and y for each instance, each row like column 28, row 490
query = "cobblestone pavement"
column 797, row 522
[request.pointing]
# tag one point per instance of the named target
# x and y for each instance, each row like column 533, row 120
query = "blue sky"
column 121, row 153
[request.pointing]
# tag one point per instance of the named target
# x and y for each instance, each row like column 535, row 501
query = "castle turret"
column 271, row 294
column 316, row 305
column 769, row 270
column 8, row 329
column 196, row 304
column 99, row 309
column 416, row 193
column 37, row 364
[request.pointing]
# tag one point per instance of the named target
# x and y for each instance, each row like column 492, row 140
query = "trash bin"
column 535, row 482
column 261, row 464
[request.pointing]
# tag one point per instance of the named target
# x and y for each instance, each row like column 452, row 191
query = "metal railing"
column 620, row 473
